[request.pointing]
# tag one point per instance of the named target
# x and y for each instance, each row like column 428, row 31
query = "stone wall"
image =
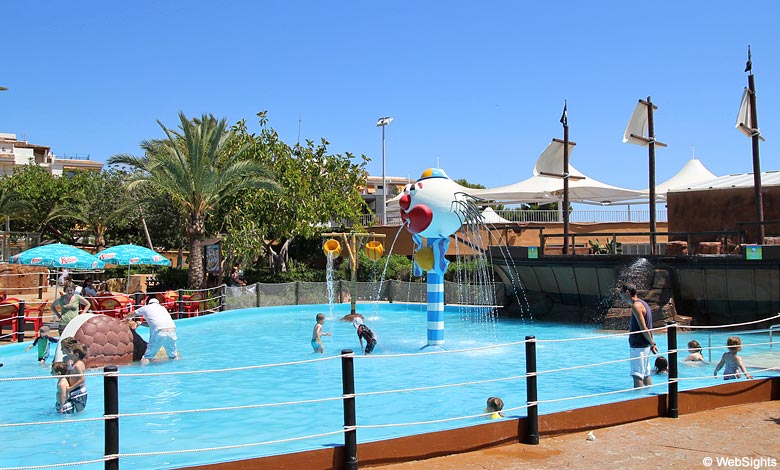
column 659, row 296
column 16, row 279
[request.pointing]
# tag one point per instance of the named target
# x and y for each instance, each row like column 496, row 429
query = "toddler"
column 734, row 367
column 43, row 341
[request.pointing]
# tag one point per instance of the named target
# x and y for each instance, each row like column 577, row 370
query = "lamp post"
column 383, row 122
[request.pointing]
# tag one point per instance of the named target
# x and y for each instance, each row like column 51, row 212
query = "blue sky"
column 476, row 86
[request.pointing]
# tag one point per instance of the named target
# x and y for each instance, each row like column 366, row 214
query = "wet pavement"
column 742, row 436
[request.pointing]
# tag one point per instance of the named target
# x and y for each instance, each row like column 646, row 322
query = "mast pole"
column 756, row 160
column 565, row 122
column 651, row 171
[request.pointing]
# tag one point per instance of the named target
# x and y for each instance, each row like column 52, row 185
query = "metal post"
column 111, row 412
column 350, row 421
column 530, row 381
column 671, row 336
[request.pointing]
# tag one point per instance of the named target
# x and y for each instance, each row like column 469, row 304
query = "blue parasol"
column 57, row 255
column 130, row 254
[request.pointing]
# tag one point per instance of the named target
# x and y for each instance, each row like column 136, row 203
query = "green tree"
column 102, row 202
column 12, row 205
column 48, row 196
column 317, row 188
column 199, row 168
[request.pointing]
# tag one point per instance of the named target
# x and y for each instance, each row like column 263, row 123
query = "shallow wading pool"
column 235, row 339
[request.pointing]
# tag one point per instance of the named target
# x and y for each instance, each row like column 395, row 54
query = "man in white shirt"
column 162, row 330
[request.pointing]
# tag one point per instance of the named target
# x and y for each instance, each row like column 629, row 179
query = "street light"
column 382, row 122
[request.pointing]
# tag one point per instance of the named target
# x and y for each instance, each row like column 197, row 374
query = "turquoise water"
column 254, row 337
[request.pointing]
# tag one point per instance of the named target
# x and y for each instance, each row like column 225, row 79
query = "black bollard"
column 530, row 381
column 21, row 324
column 671, row 336
column 350, row 420
column 111, row 407
column 180, row 304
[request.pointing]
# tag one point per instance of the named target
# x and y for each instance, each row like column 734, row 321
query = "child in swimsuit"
column 661, row 365
column 366, row 333
column 734, row 367
column 317, row 334
column 77, row 390
column 43, row 341
column 694, row 350
column 63, row 405
column 494, row 407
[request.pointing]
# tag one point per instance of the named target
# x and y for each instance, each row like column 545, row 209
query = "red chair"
column 30, row 311
column 168, row 299
column 110, row 306
column 9, row 311
column 191, row 304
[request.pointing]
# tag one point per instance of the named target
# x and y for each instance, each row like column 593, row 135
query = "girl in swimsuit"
column 734, row 365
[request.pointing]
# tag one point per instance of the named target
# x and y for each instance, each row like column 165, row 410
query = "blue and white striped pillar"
column 435, row 308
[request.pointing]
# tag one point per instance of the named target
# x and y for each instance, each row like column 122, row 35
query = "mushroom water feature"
column 432, row 209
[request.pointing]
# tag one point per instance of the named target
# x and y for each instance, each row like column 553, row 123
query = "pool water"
column 252, row 337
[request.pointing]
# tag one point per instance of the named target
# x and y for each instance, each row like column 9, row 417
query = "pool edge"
column 512, row 431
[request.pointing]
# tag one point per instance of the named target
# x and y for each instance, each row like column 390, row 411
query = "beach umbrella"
column 57, row 255
column 132, row 255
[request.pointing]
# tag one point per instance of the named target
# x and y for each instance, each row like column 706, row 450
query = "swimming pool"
column 252, row 337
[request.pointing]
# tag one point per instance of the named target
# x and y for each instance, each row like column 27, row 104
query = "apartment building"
column 15, row 153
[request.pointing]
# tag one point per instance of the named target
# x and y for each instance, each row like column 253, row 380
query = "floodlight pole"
column 383, row 122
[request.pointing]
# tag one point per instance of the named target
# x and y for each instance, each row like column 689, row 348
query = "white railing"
column 575, row 216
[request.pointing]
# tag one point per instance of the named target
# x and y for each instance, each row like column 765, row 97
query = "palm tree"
column 11, row 207
column 195, row 167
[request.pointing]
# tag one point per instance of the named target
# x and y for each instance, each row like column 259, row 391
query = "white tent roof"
column 742, row 180
column 542, row 187
column 692, row 173
column 489, row 216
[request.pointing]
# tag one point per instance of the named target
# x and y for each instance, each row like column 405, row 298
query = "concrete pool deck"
column 749, row 432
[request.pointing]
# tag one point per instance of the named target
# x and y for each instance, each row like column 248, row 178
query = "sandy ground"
column 743, row 436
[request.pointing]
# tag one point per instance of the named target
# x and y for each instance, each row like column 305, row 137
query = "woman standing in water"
column 69, row 304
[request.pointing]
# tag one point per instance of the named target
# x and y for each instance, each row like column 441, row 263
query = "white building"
column 15, row 153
